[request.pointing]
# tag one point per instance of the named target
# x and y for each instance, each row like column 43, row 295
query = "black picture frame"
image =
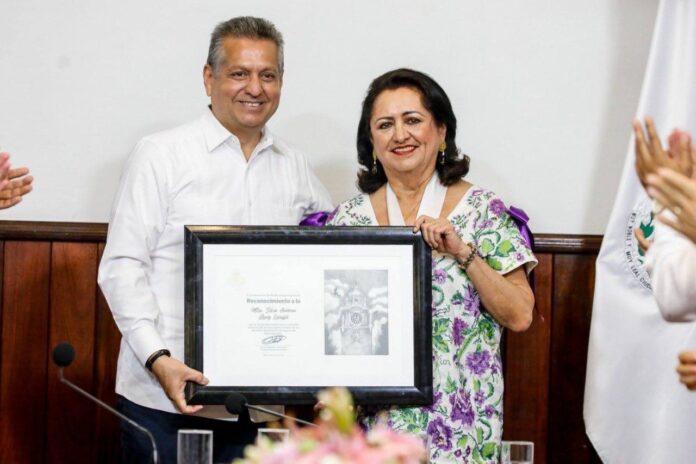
column 198, row 237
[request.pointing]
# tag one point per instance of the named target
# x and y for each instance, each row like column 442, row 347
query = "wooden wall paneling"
column 527, row 369
column 86, row 232
column 25, row 322
column 2, row 266
column 107, row 342
column 70, row 428
column 36, row 411
column 573, row 290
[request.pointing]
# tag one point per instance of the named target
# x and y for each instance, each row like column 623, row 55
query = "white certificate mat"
column 296, row 315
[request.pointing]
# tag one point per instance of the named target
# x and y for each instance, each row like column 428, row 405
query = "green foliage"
column 505, row 248
column 486, row 247
column 488, row 450
column 450, row 386
column 494, row 263
column 439, row 344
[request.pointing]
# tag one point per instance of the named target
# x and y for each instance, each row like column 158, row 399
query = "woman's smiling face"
column 404, row 133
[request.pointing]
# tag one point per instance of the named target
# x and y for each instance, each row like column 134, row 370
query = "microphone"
column 236, row 404
column 63, row 356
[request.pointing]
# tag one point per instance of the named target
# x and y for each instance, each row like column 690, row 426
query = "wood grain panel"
column 53, row 231
column 573, row 289
column 527, row 369
column 40, row 418
column 2, row 267
column 70, row 428
column 96, row 232
column 108, row 339
column 24, row 345
column 571, row 244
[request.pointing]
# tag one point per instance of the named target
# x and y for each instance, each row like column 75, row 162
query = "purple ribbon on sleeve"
column 521, row 219
column 316, row 219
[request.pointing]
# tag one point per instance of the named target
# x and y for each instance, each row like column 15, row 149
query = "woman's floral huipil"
column 465, row 422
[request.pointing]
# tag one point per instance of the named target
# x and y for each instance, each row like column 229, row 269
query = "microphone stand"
column 279, row 415
column 112, row 410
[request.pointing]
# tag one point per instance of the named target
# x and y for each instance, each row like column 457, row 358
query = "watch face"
column 356, row 318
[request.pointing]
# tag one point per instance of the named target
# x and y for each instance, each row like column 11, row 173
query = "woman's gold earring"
column 441, row 149
column 374, row 163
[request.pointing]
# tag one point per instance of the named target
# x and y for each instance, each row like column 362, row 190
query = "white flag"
column 636, row 411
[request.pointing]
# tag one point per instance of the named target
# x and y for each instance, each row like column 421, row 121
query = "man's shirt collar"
column 216, row 134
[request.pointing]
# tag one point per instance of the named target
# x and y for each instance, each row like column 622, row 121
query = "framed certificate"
column 277, row 313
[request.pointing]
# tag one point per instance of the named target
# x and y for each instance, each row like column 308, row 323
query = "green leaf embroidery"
column 441, row 326
column 440, row 344
column 494, row 263
column 466, row 343
column 438, row 296
column 479, row 434
column 505, row 248
column 461, row 443
column 486, row 247
column 451, row 386
column 488, row 450
column 476, row 455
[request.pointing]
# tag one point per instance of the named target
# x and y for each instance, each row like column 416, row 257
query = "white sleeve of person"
column 671, row 263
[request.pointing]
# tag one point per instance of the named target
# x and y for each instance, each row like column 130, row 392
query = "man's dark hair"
column 247, row 27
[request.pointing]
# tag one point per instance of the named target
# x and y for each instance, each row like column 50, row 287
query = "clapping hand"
column 650, row 156
column 687, row 369
column 677, row 193
column 14, row 183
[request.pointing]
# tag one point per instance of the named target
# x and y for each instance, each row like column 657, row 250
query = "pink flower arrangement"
column 337, row 440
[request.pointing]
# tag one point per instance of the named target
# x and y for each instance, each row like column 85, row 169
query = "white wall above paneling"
column 544, row 90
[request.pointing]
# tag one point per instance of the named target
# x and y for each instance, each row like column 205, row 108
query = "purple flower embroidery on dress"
column 458, row 453
column 479, row 397
column 439, row 276
column 484, row 224
column 462, row 410
column 471, row 301
column 440, row 434
column 457, row 328
column 478, row 362
column 489, row 411
column 437, row 396
column 497, row 207
column 496, row 365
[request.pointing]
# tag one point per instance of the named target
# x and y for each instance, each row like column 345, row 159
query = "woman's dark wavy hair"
column 435, row 100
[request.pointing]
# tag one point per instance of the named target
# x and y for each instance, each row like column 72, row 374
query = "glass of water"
column 194, row 446
column 425, row 438
column 517, row 452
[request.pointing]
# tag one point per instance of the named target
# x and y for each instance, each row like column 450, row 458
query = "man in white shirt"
column 224, row 168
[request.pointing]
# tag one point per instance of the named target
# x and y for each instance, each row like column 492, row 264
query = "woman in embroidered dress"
column 413, row 175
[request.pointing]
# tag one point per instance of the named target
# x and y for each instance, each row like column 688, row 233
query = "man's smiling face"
column 244, row 89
